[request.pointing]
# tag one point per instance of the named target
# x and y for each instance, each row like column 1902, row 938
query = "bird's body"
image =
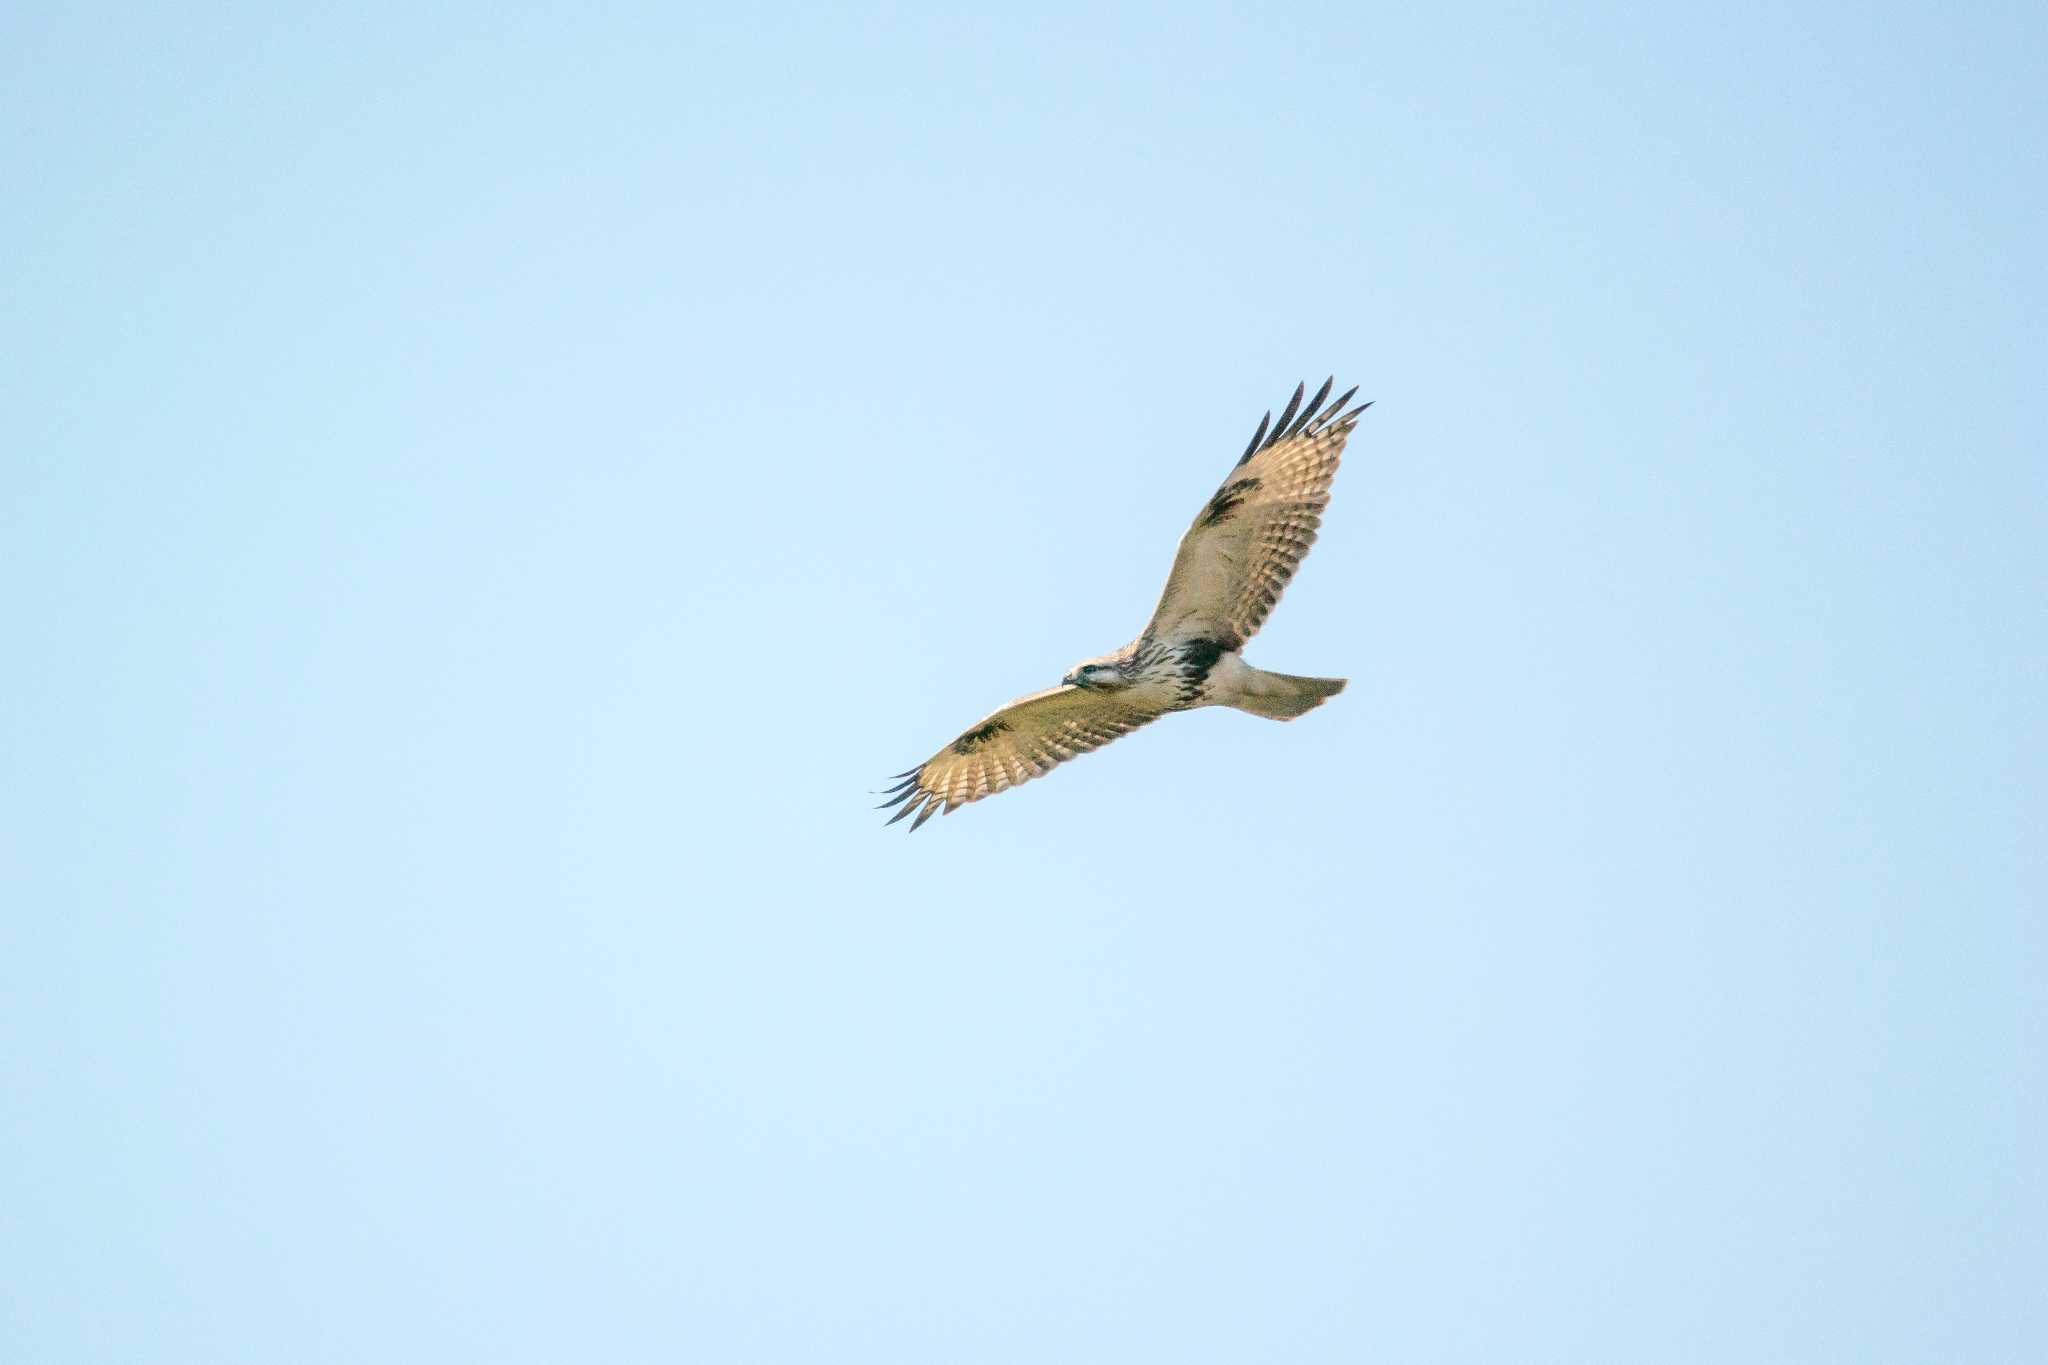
column 1231, row 568
column 1181, row 675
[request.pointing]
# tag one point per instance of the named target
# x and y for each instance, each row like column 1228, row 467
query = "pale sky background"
column 487, row 496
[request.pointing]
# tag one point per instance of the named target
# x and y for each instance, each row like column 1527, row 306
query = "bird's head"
column 1096, row 674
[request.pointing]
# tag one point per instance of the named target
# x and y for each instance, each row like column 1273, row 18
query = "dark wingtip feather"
column 1314, row 404
column 1296, row 419
column 1346, row 420
column 931, row 808
column 1293, row 405
column 1335, row 412
column 1257, row 437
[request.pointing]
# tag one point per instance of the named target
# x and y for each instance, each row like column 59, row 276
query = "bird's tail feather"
column 1283, row 696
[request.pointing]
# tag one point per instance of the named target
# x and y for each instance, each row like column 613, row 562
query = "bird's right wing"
column 1027, row 738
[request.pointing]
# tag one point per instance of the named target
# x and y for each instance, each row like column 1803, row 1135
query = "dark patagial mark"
column 975, row 738
column 1226, row 500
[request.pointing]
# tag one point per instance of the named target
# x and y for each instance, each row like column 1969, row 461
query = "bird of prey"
column 1231, row 568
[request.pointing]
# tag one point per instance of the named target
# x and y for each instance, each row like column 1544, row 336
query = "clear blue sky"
column 487, row 495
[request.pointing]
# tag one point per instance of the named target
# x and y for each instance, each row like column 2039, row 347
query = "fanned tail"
column 1283, row 696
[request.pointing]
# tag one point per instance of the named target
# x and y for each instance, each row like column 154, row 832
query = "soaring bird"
column 1231, row 568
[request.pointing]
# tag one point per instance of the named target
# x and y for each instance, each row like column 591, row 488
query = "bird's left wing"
column 1235, row 561
column 1027, row 738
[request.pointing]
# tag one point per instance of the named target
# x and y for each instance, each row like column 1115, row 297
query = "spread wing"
column 1234, row 562
column 1027, row 738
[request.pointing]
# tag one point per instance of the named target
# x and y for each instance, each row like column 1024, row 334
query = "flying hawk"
column 1231, row 568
